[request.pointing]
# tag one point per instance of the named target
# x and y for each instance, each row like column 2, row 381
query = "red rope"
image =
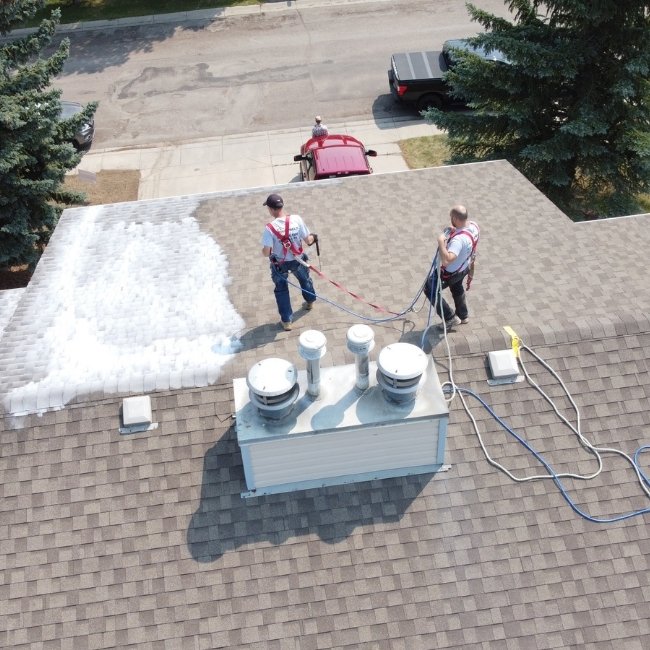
column 354, row 295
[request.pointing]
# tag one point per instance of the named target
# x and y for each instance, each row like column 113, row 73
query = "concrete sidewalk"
column 247, row 160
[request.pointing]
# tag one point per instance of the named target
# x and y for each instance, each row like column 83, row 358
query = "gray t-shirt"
column 461, row 244
column 297, row 232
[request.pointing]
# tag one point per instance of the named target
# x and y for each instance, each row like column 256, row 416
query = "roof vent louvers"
column 311, row 346
column 273, row 387
column 399, row 369
column 361, row 340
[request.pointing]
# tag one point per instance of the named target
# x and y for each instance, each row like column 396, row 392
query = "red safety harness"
column 445, row 276
column 285, row 240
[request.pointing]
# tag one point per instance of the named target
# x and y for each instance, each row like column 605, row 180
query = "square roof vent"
column 503, row 367
column 136, row 414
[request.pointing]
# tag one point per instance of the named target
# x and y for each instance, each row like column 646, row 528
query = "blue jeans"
column 457, row 293
column 279, row 274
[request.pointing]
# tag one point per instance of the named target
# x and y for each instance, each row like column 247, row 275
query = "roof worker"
column 282, row 243
column 319, row 130
column 456, row 255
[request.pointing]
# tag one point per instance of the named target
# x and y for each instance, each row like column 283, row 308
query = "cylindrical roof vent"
column 273, row 387
column 311, row 346
column 361, row 339
column 399, row 369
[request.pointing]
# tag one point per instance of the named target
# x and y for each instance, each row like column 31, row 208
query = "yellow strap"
column 514, row 339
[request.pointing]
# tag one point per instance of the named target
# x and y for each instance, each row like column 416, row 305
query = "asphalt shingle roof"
column 143, row 541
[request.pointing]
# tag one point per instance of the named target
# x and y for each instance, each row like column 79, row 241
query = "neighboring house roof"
column 113, row 540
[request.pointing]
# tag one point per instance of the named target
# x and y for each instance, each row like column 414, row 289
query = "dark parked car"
column 418, row 77
column 332, row 156
column 83, row 137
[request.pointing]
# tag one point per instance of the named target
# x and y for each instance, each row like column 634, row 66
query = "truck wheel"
column 429, row 101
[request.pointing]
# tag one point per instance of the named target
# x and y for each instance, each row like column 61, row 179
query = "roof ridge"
column 562, row 332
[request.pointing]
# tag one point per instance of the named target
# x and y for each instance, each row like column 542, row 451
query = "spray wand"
column 315, row 236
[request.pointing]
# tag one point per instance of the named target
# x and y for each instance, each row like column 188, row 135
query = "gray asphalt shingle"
column 110, row 540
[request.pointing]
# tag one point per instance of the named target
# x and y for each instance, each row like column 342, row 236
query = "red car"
column 332, row 156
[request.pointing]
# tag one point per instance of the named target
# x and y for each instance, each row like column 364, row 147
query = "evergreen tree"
column 35, row 148
column 571, row 111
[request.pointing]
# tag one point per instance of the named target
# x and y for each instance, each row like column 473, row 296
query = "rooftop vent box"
column 395, row 426
column 503, row 365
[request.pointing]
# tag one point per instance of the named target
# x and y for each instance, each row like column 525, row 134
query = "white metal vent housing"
column 343, row 436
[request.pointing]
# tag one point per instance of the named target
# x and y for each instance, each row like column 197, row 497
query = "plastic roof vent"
column 136, row 415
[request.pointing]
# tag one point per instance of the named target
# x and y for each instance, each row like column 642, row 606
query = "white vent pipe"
column 361, row 339
column 312, row 347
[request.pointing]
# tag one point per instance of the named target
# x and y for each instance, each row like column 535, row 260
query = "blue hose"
column 636, row 462
column 553, row 474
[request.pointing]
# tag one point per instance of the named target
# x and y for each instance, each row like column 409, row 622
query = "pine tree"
column 35, row 148
column 571, row 111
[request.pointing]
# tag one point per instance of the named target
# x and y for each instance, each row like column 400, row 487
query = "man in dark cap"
column 282, row 243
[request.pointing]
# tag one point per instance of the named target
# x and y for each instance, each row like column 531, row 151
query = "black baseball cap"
column 274, row 201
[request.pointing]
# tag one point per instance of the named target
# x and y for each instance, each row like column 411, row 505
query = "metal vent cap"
column 312, row 345
column 360, row 339
column 273, row 387
column 400, row 367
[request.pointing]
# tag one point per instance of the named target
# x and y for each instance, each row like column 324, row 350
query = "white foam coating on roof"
column 9, row 299
column 130, row 307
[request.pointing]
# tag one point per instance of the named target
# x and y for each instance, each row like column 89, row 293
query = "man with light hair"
column 456, row 254
column 319, row 130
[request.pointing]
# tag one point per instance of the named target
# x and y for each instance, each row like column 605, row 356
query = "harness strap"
column 285, row 240
column 472, row 256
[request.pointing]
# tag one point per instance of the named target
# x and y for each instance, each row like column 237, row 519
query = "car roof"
column 338, row 155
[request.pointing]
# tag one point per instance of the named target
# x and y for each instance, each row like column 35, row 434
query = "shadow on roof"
column 224, row 521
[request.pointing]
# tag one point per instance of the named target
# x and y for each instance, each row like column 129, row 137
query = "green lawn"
column 432, row 151
column 427, row 151
column 73, row 11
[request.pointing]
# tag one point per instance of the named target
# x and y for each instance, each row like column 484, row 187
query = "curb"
column 199, row 15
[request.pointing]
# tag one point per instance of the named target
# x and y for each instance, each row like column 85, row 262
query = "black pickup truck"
column 418, row 77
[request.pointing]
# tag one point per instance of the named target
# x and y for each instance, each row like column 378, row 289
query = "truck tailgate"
column 414, row 66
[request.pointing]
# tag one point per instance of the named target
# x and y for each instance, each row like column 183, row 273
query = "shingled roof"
column 143, row 540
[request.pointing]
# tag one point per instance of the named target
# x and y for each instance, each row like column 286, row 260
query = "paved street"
column 250, row 69
column 222, row 99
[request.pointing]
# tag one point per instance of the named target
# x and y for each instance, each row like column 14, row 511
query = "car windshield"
column 462, row 44
column 68, row 109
